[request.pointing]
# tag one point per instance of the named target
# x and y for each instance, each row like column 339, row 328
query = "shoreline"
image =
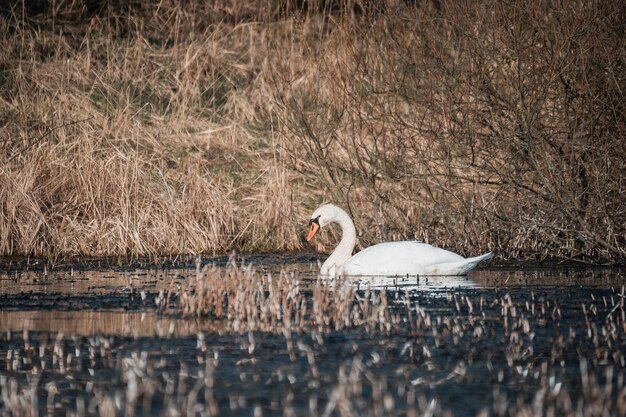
column 85, row 263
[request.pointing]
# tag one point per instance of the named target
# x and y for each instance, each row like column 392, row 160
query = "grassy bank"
column 145, row 129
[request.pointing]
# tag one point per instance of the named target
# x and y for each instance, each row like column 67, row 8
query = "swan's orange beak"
column 314, row 226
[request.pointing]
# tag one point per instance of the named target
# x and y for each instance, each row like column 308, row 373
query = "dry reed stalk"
column 534, row 362
column 249, row 301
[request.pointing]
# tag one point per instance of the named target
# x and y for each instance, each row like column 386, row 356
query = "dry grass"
column 158, row 128
column 120, row 138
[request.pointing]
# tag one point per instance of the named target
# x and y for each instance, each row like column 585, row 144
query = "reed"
column 247, row 301
column 398, row 354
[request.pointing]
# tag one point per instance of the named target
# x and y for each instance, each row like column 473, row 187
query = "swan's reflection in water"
column 396, row 282
column 415, row 283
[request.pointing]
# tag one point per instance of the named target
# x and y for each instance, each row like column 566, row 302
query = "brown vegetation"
column 151, row 128
column 487, row 126
column 249, row 301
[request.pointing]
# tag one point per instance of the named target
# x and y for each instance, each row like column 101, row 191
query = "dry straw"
column 248, row 301
column 162, row 128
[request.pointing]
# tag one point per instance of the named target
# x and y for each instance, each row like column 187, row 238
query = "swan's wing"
column 398, row 258
column 456, row 268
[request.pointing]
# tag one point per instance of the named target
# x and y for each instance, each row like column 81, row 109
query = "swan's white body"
column 384, row 259
column 413, row 258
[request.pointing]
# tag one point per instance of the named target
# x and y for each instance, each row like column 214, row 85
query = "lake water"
column 546, row 341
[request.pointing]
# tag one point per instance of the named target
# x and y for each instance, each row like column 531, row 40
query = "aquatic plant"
column 527, row 353
column 250, row 301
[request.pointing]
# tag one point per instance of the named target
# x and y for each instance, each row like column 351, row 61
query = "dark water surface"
column 543, row 341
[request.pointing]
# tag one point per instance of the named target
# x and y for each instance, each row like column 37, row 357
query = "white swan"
column 392, row 258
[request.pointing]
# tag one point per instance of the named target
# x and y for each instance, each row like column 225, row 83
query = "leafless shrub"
column 494, row 126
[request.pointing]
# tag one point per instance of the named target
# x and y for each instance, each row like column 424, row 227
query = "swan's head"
column 321, row 217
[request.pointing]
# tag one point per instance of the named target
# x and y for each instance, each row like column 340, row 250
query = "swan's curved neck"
column 343, row 251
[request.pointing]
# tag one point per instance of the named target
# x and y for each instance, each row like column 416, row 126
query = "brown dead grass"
column 138, row 135
column 158, row 128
